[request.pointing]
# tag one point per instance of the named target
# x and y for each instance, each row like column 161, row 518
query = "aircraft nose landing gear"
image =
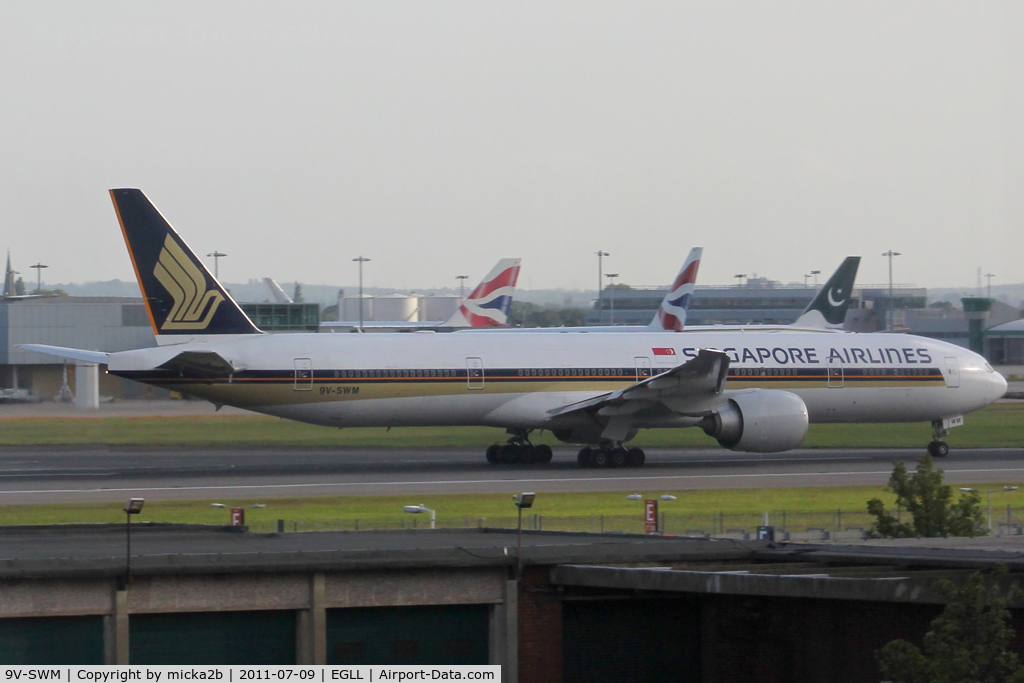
column 519, row 450
column 610, row 455
column 938, row 448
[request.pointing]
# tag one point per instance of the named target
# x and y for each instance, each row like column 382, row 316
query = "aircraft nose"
column 998, row 385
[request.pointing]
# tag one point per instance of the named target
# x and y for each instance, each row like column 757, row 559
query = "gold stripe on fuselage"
column 249, row 392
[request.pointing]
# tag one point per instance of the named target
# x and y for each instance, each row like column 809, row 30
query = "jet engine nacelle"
column 761, row 421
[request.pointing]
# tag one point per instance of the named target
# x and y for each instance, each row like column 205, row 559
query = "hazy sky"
column 437, row 137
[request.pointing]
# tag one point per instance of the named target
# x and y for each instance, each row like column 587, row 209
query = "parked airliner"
column 485, row 308
column 826, row 311
column 753, row 391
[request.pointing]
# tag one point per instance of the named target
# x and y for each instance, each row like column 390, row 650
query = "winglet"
column 182, row 296
column 671, row 314
column 828, row 309
column 489, row 303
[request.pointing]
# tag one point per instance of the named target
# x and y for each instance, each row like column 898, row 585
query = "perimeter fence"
column 793, row 524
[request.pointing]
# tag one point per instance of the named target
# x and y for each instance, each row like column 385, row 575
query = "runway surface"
column 100, row 474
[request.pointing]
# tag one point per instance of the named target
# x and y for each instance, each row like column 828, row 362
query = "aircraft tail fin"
column 828, row 309
column 488, row 304
column 671, row 314
column 275, row 291
column 182, row 296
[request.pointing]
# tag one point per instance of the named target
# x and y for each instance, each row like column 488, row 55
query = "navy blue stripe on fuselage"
column 525, row 375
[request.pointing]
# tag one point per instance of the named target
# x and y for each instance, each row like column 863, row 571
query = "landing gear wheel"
column 599, row 457
column 583, row 458
column 494, row 454
column 544, row 454
column 527, row 454
column 636, row 457
column 508, row 454
column 619, row 457
column 938, row 449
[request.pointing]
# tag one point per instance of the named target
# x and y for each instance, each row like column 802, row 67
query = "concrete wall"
column 308, row 595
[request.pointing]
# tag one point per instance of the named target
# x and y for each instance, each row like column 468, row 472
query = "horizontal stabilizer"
column 206, row 364
column 98, row 357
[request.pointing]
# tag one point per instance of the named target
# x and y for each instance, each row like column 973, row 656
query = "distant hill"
column 255, row 291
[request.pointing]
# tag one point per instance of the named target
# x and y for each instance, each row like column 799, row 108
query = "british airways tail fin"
column 671, row 314
column 488, row 304
column 828, row 309
column 183, row 298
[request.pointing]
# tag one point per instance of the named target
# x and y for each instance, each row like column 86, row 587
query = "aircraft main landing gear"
column 938, row 448
column 610, row 455
column 519, row 450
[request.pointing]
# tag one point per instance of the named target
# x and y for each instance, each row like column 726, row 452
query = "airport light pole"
column 611, row 301
column 523, row 501
column 360, row 260
column 739, row 276
column 989, row 277
column 462, row 285
column 420, row 509
column 39, row 276
column 815, row 273
column 216, row 256
column 133, row 507
column 600, row 284
column 890, row 254
column 988, row 496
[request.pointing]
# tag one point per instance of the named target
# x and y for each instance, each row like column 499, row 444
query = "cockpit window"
column 989, row 368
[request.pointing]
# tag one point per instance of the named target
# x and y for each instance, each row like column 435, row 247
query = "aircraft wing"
column 689, row 385
column 97, row 357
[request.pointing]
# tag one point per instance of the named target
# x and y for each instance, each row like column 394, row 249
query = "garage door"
column 447, row 634
column 213, row 638
column 52, row 640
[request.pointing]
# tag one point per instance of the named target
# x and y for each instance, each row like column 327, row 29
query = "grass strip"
column 999, row 425
column 496, row 509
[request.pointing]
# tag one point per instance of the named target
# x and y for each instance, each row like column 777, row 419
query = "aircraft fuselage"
column 513, row 381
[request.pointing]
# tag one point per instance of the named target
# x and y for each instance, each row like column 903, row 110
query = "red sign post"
column 237, row 517
column 650, row 516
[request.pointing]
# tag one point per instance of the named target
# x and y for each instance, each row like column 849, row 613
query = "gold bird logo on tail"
column 194, row 304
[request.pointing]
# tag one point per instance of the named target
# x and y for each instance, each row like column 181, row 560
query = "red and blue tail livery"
column 672, row 313
column 488, row 304
column 183, row 298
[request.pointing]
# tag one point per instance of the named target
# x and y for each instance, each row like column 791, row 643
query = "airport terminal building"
column 93, row 323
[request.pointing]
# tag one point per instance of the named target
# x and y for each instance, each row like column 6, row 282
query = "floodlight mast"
column 133, row 507
column 523, row 500
column 361, row 260
column 39, row 276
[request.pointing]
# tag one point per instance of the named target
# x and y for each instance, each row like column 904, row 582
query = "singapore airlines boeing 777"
column 751, row 390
